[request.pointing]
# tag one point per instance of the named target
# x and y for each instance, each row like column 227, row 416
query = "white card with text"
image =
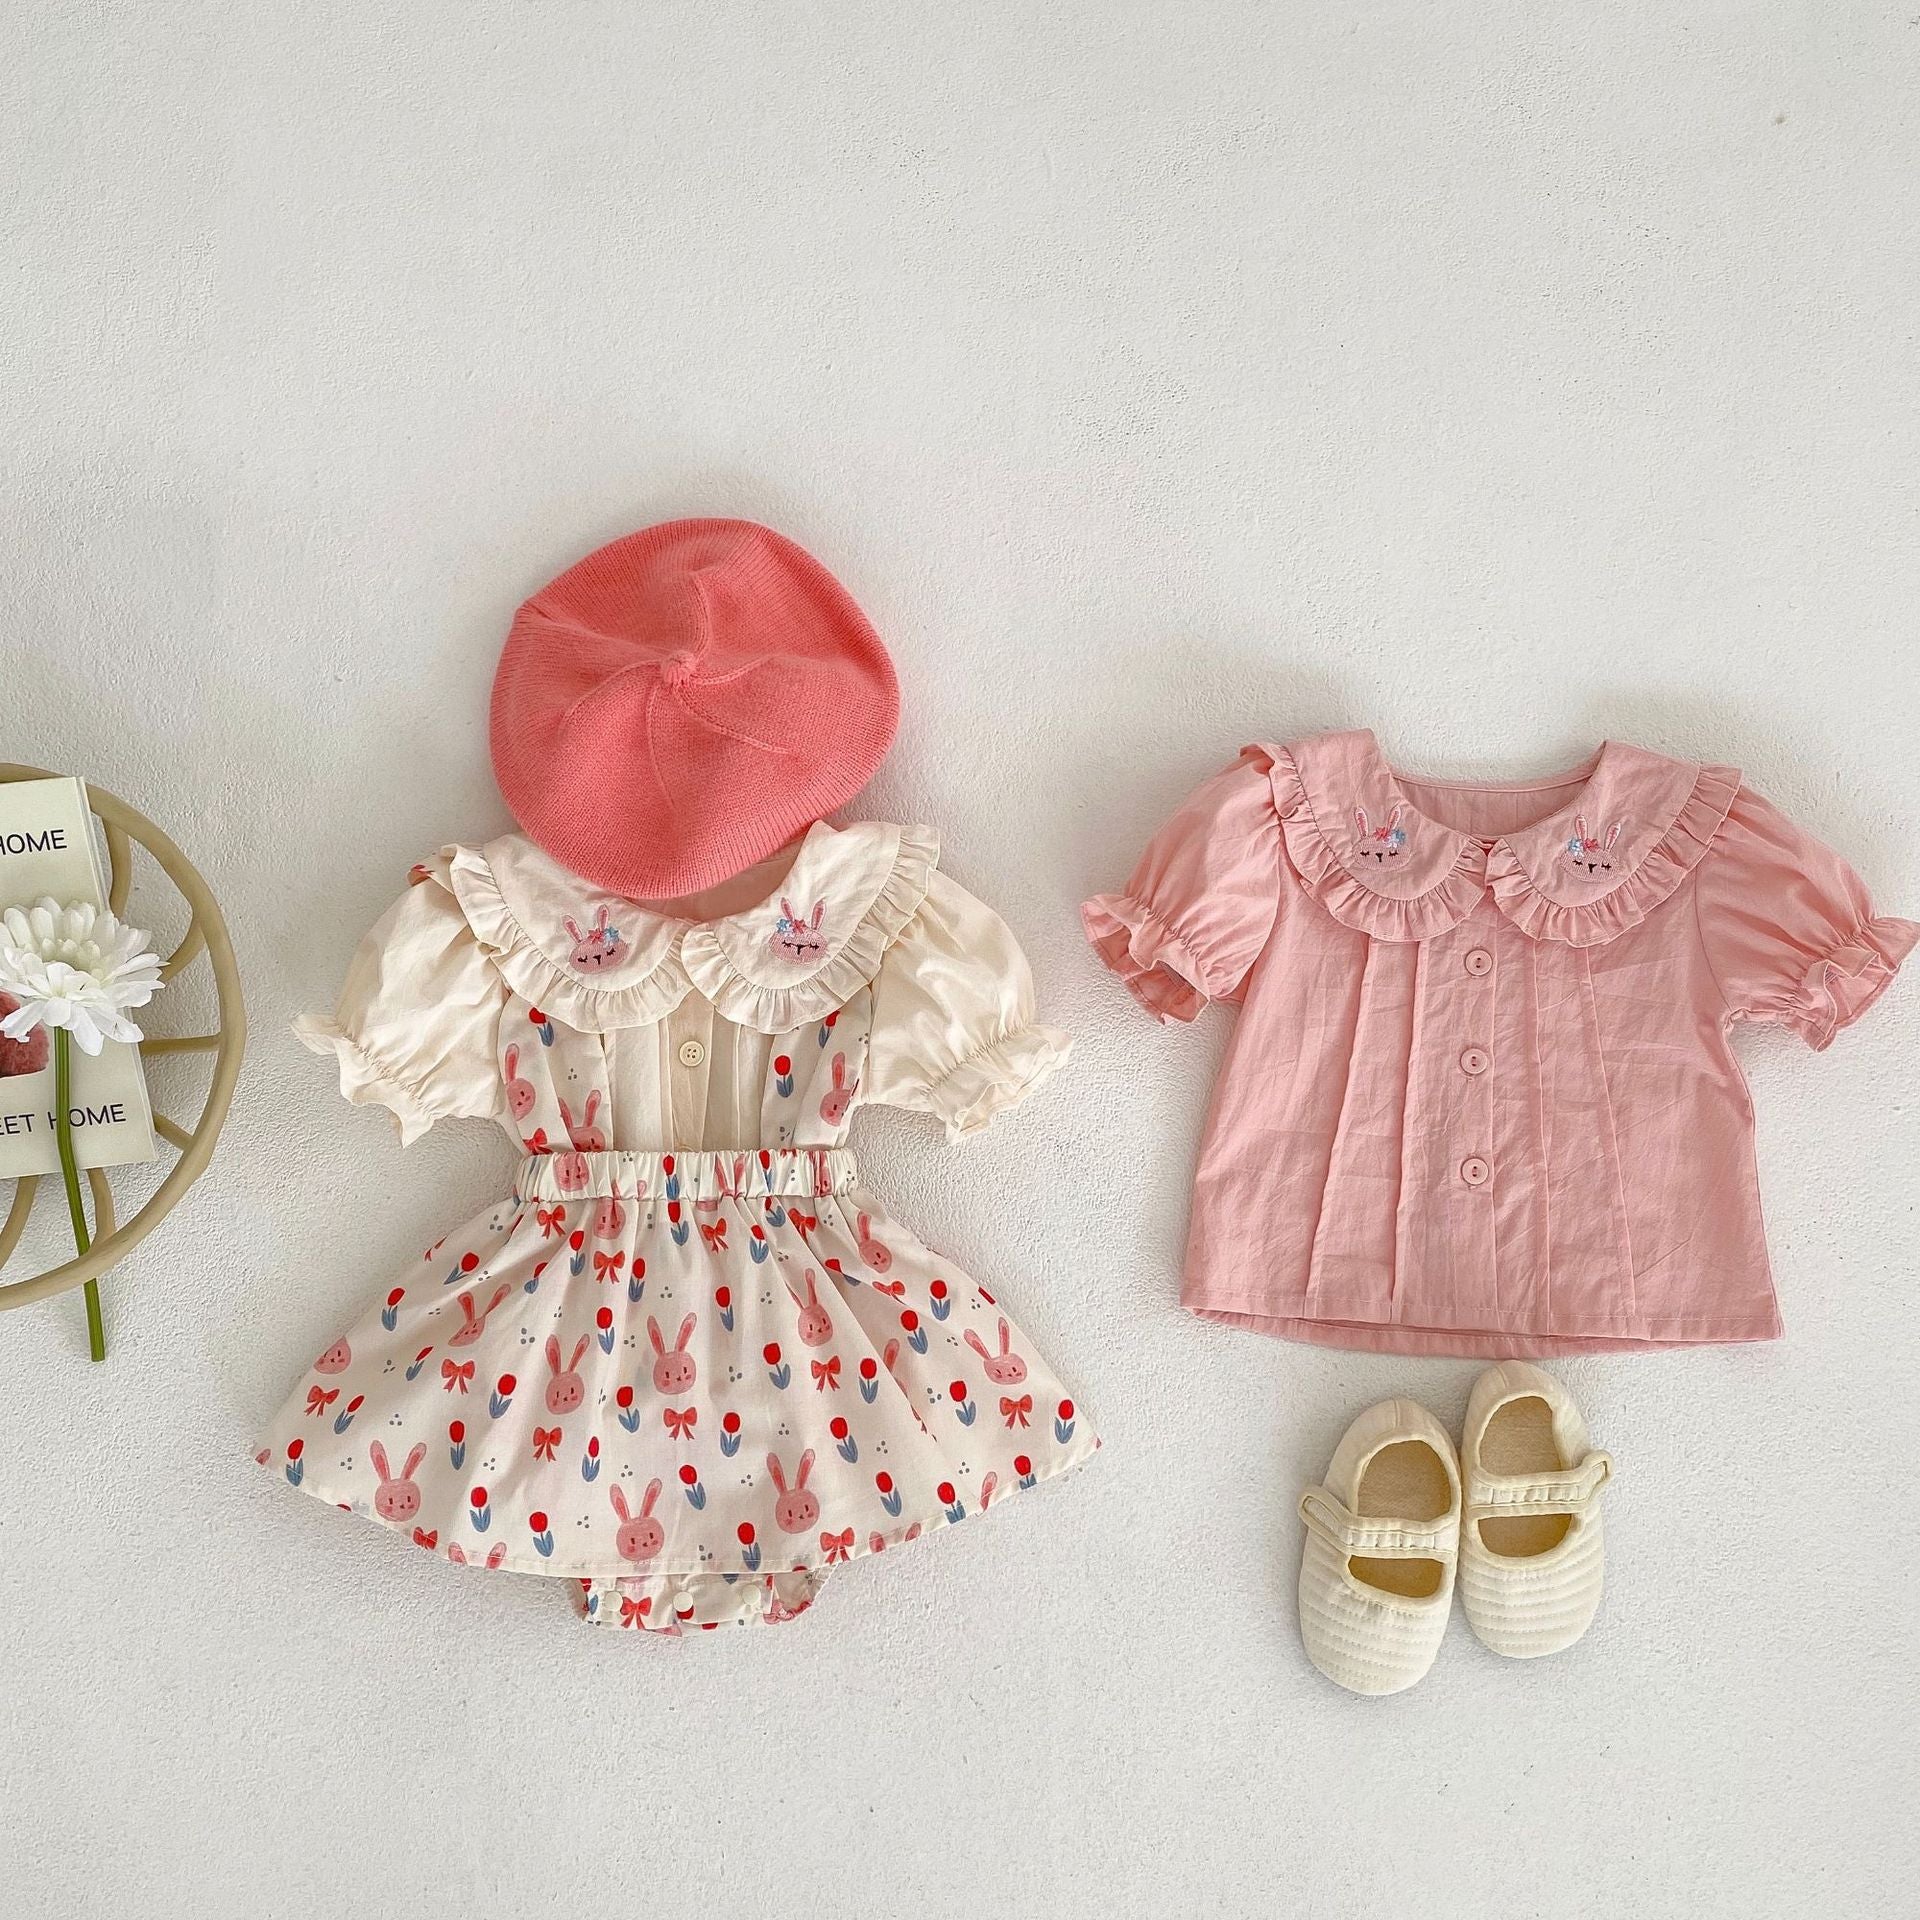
column 47, row 847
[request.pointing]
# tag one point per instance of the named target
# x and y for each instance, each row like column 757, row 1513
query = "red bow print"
column 714, row 1238
column 1014, row 1412
column 680, row 1421
column 633, row 1613
column 546, row 1441
column 826, row 1375
column 452, row 1376
column 536, row 1141
column 553, row 1221
column 836, row 1546
column 606, row 1266
column 422, row 1538
column 319, row 1399
column 893, row 1289
column 802, row 1223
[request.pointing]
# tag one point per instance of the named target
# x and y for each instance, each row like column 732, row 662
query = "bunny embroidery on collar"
column 1588, row 855
column 599, row 947
column 767, row 966
column 796, row 939
column 1412, row 873
column 1385, row 841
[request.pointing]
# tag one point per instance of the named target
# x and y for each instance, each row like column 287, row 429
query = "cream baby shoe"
column 1531, row 1551
column 1383, row 1532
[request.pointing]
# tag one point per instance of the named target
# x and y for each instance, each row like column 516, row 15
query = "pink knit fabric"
column 683, row 702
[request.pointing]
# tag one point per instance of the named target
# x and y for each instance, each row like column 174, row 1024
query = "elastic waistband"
column 746, row 1172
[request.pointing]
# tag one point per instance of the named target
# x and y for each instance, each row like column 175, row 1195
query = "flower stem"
column 70, row 1173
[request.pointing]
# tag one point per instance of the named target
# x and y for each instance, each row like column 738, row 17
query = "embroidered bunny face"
column 1589, row 855
column 598, row 948
column 798, row 939
column 1384, row 842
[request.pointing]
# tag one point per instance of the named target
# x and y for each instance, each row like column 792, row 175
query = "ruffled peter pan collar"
column 1638, row 823
column 598, row 962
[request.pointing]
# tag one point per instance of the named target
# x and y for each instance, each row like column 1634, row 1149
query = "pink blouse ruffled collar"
column 1585, row 873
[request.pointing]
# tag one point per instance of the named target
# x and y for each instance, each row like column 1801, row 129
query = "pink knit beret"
column 684, row 702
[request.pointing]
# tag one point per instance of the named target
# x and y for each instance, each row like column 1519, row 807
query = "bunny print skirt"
column 689, row 1383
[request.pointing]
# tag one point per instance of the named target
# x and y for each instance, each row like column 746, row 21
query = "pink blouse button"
column 1475, row 1171
column 1479, row 962
column 1475, row 1060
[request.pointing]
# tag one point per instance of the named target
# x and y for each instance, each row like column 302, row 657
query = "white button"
column 1475, row 1060
column 1475, row 1171
column 1478, row 962
column 691, row 1053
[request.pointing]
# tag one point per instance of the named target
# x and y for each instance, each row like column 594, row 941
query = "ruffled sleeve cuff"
column 1842, row 984
column 363, row 1081
column 1149, row 958
column 996, row 1078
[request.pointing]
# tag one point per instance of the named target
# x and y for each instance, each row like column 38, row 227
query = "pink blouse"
column 1480, row 1098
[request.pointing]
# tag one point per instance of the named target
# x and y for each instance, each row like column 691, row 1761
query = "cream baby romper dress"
column 687, row 1361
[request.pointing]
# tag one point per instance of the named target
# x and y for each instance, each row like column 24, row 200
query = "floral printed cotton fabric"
column 1481, row 1099
column 689, row 1360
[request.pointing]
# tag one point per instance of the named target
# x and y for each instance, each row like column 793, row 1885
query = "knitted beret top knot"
column 683, row 702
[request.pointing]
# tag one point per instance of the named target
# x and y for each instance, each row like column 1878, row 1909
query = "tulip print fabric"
column 689, row 1379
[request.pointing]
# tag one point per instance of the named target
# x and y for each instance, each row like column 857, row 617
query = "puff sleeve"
column 954, row 1033
column 419, row 1016
column 1788, row 929
column 1201, row 904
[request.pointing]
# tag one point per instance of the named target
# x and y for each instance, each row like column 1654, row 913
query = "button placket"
column 689, row 1037
column 1446, row 1219
column 1476, row 1169
column 1467, row 998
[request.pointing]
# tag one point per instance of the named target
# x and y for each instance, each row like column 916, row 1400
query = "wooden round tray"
column 206, row 934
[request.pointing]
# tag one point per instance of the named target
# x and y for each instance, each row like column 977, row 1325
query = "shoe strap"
column 1350, row 1533
column 1566, row 1490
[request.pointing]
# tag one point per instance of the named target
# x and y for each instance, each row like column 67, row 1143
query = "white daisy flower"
column 74, row 967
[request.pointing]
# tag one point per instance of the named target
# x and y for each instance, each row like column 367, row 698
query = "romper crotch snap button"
column 1475, row 1171
column 691, row 1053
column 1479, row 962
column 1475, row 1060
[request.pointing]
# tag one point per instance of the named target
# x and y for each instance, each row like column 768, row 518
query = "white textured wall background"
column 1501, row 375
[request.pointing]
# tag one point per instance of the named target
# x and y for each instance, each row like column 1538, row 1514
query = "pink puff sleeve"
column 1201, row 904
column 1788, row 929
